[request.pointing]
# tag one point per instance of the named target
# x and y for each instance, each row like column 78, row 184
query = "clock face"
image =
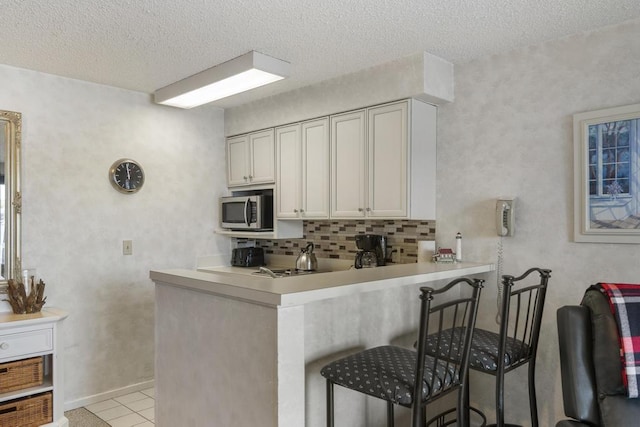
column 126, row 176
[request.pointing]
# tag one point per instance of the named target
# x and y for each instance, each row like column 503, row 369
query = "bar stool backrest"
column 521, row 315
column 458, row 314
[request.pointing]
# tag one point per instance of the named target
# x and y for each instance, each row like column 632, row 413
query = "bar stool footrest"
column 448, row 418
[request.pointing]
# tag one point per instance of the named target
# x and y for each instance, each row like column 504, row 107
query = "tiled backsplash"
column 335, row 238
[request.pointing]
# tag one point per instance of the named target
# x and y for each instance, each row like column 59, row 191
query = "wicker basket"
column 20, row 374
column 31, row 411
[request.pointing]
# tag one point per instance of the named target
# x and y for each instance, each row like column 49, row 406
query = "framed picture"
column 607, row 175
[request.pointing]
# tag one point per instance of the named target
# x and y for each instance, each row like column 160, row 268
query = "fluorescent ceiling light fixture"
column 246, row 72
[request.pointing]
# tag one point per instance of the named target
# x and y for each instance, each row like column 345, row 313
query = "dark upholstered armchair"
column 592, row 387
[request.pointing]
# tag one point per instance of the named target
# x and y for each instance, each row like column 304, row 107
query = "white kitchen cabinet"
column 302, row 170
column 384, row 162
column 24, row 336
column 387, row 144
column 237, row 160
column 288, row 171
column 348, row 165
column 376, row 162
column 251, row 159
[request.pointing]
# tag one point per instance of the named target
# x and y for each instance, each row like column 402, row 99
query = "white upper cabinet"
column 302, row 168
column 389, row 170
column 315, row 169
column 377, row 162
column 262, row 157
column 387, row 147
column 288, row 167
column 348, row 165
column 238, row 160
column 251, row 159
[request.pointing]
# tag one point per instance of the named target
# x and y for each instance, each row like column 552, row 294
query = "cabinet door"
column 262, row 158
column 387, row 155
column 238, row 161
column 315, row 169
column 288, row 171
column 348, row 150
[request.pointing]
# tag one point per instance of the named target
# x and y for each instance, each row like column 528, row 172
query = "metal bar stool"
column 518, row 338
column 410, row 378
column 517, row 341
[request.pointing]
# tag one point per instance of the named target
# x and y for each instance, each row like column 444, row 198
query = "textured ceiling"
column 146, row 44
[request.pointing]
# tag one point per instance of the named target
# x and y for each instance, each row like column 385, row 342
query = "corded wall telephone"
column 505, row 226
column 505, row 216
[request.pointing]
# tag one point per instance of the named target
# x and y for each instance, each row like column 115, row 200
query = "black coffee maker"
column 373, row 250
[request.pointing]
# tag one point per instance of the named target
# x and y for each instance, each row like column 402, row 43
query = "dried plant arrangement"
column 20, row 301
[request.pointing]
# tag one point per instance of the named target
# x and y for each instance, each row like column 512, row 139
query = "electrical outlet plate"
column 127, row 247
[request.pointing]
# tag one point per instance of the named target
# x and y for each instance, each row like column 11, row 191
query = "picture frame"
column 607, row 175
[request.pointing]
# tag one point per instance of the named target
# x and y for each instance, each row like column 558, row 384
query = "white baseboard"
column 84, row 401
column 62, row 422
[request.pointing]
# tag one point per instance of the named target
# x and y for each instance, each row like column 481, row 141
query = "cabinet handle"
column 360, row 209
column 4, row 346
column 301, row 210
column 295, row 210
column 244, row 177
column 250, row 177
column 368, row 209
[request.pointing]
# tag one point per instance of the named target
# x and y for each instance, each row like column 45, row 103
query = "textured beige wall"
column 74, row 221
column 509, row 133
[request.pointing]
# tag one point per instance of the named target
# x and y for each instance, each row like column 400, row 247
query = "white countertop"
column 302, row 289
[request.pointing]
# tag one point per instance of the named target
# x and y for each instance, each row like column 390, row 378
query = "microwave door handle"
column 247, row 206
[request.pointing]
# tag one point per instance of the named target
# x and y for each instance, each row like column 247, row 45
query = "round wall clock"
column 126, row 175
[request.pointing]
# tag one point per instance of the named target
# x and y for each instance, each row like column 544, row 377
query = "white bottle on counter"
column 458, row 247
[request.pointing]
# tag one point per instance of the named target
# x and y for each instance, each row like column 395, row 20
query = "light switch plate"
column 127, row 247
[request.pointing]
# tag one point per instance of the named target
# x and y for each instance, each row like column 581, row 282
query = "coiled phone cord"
column 499, row 280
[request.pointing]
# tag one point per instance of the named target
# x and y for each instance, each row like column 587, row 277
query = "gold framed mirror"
column 10, row 197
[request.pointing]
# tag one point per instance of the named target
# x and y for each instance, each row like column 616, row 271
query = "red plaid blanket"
column 624, row 300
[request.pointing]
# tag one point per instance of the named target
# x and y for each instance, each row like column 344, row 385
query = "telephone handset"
column 505, row 216
column 505, row 226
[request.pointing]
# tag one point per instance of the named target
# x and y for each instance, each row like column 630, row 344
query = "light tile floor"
column 133, row 409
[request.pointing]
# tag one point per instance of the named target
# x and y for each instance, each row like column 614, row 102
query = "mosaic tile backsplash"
column 335, row 238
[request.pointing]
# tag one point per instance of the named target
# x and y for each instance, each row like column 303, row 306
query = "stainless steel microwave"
column 254, row 212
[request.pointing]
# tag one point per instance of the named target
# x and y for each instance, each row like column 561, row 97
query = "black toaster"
column 247, row 257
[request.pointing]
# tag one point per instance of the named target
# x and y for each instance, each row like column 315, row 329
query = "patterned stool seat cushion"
column 484, row 348
column 388, row 373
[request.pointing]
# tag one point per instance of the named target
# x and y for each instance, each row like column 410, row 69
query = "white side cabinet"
column 302, row 170
column 250, row 159
column 25, row 336
column 384, row 162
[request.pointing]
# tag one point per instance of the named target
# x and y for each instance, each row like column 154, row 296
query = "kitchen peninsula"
column 240, row 349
